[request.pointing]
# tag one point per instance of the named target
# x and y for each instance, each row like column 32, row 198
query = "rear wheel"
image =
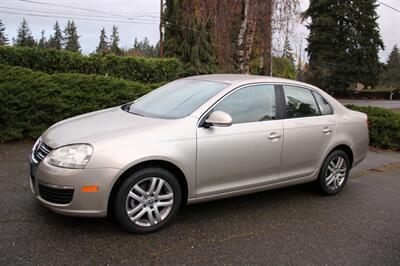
column 147, row 200
column 334, row 173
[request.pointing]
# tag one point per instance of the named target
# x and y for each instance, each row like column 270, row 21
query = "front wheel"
column 334, row 173
column 147, row 200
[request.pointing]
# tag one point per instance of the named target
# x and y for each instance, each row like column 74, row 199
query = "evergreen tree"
column 114, row 41
column 199, row 49
column 71, row 37
column 136, row 44
column 144, row 48
column 156, row 49
column 192, row 44
column 24, row 35
column 102, row 48
column 288, row 52
column 3, row 37
column 42, row 42
column 283, row 68
column 391, row 75
column 174, row 35
column 56, row 40
column 343, row 43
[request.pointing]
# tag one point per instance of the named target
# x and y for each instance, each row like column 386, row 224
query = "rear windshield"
column 176, row 99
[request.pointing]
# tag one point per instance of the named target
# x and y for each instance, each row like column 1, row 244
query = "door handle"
column 274, row 135
column 326, row 130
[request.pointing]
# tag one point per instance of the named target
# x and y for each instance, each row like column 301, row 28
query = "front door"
column 247, row 153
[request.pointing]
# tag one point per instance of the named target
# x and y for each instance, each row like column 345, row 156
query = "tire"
column 334, row 174
column 151, row 196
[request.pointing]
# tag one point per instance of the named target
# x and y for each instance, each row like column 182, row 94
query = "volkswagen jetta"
column 196, row 139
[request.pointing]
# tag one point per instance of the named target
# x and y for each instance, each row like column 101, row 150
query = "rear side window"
column 299, row 102
column 323, row 105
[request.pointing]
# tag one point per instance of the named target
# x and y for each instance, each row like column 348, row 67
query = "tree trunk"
column 268, row 37
column 248, row 46
column 241, row 36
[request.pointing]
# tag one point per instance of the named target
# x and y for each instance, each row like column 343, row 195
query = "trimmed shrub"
column 384, row 127
column 32, row 101
column 145, row 70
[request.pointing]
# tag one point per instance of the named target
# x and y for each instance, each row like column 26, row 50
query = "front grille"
column 56, row 195
column 40, row 152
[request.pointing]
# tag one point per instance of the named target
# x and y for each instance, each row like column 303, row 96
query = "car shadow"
column 191, row 215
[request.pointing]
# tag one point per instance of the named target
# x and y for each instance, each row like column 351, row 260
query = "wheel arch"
column 169, row 166
column 347, row 149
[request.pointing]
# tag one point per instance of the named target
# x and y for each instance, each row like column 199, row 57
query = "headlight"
column 72, row 156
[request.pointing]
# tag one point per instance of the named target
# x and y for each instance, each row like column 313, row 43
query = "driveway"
column 375, row 103
column 294, row 225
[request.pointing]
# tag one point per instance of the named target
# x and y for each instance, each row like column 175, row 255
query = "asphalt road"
column 376, row 103
column 360, row 226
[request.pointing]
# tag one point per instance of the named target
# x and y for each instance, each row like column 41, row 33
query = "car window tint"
column 299, row 102
column 250, row 104
column 323, row 105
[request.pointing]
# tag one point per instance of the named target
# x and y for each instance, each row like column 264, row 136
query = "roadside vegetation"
column 31, row 101
column 140, row 69
column 384, row 127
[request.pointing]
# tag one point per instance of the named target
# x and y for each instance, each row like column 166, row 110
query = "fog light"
column 90, row 189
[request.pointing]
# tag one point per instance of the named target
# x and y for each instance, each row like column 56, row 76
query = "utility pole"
column 161, row 29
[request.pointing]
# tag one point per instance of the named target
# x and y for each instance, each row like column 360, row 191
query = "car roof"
column 235, row 79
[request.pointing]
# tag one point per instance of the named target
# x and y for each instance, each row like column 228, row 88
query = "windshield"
column 176, row 99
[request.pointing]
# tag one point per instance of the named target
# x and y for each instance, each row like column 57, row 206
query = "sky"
column 139, row 19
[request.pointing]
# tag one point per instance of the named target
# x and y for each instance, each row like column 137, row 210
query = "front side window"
column 323, row 105
column 299, row 102
column 250, row 104
column 176, row 99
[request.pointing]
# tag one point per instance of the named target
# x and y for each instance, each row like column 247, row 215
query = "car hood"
column 95, row 126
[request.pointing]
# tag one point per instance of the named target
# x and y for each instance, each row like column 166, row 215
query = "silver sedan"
column 196, row 139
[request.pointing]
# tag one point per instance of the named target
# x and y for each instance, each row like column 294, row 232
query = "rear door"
column 309, row 125
column 247, row 153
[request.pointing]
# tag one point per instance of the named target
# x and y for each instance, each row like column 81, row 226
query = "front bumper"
column 90, row 204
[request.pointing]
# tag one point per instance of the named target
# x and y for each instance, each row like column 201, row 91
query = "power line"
column 142, row 17
column 168, row 25
column 72, row 7
column 77, row 18
column 395, row 9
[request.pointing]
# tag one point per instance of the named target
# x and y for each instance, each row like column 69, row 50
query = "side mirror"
column 219, row 119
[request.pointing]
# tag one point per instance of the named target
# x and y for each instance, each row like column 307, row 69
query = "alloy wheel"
column 336, row 173
column 149, row 201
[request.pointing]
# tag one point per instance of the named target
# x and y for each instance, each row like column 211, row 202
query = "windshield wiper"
column 135, row 113
column 127, row 108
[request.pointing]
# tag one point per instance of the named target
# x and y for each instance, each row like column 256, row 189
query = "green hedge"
column 32, row 101
column 145, row 70
column 384, row 127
